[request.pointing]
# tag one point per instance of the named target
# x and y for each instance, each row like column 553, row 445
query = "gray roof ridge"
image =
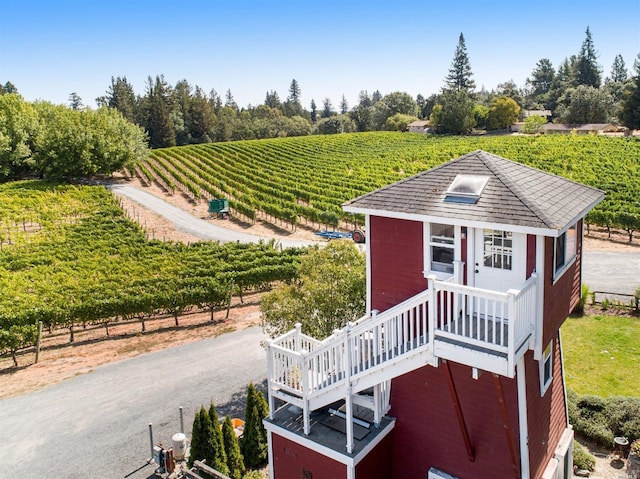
column 518, row 192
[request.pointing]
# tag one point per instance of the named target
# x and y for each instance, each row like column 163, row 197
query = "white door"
column 500, row 259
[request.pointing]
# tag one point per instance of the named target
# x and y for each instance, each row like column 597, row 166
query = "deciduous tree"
column 329, row 292
column 503, row 112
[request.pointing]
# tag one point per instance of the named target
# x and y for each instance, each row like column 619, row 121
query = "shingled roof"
column 516, row 195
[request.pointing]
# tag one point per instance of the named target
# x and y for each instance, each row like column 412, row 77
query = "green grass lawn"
column 602, row 355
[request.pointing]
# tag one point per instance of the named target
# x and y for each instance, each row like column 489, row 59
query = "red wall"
column 397, row 261
column 377, row 464
column 427, row 433
column 546, row 415
column 560, row 298
column 290, row 459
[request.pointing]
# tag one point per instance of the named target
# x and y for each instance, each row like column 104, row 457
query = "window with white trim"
column 441, row 246
column 498, row 249
column 565, row 250
column 546, row 368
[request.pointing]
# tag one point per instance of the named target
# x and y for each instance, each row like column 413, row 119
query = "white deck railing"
column 304, row 368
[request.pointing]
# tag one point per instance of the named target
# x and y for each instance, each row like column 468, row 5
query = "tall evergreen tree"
column 459, row 77
column 229, row 101
column 120, row 95
column 314, row 111
column 327, row 109
column 344, row 106
column 158, row 109
column 618, row 70
column 294, row 92
column 587, row 70
column 235, row 461
column 631, row 108
column 202, row 118
column 540, row 81
column 272, row 100
column 8, row 88
column 75, row 102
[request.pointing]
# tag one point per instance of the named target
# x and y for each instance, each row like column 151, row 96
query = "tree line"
column 54, row 142
column 574, row 91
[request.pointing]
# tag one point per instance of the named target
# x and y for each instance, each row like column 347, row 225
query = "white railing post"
column 298, row 336
column 513, row 318
column 270, row 377
column 432, row 310
column 348, row 399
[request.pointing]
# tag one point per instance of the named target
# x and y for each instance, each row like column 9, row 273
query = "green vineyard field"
column 306, row 179
column 69, row 256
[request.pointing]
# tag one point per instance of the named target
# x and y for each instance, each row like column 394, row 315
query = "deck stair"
column 484, row 329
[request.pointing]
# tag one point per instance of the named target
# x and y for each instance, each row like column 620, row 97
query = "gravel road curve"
column 96, row 425
column 185, row 221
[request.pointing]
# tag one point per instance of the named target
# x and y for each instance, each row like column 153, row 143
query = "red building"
column 456, row 371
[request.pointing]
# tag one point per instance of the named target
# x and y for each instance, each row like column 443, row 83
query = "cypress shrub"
column 235, row 461
column 254, row 446
column 217, row 457
column 199, row 440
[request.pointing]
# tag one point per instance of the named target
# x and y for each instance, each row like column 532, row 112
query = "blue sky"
column 51, row 48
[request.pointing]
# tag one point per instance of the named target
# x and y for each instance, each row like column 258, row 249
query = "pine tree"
column 314, row 111
column 618, row 70
column 587, row 71
column 459, row 77
column 218, row 457
column 235, row 461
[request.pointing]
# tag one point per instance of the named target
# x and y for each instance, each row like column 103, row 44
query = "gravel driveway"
column 96, row 425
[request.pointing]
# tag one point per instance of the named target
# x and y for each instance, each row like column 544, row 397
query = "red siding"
column 397, row 261
column 427, row 433
column 531, row 254
column 290, row 460
column 377, row 464
column 546, row 415
column 560, row 298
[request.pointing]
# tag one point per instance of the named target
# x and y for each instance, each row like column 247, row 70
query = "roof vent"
column 466, row 189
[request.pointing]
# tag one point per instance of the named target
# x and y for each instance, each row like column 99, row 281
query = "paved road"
column 185, row 221
column 611, row 271
column 96, row 425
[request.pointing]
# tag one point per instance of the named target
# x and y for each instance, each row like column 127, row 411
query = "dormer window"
column 466, row 189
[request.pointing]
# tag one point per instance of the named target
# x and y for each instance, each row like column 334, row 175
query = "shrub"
column 635, row 447
column 583, row 459
column 601, row 419
column 254, row 446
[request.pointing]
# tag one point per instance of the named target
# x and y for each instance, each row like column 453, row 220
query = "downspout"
column 539, row 328
column 564, row 382
column 367, row 256
column 523, row 420
column 270, row 452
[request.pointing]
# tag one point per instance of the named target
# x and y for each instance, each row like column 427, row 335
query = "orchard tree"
column 453, row 114
column 503, row 112
column 631, row 107
column 328, row 292
column 585, row 104
column 392, row 104
column 587, row 70
column 459, row 77
column 19, row 128
column 399, row 122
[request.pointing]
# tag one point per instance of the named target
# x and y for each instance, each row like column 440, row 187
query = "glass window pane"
column 442, row 233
